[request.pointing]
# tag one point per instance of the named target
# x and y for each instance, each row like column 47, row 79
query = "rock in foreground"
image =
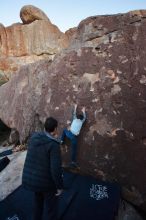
column 11, row 176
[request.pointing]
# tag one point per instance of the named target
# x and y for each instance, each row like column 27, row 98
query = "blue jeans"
column 73, row 139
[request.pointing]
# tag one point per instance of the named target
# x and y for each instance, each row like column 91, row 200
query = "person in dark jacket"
column 42, row 171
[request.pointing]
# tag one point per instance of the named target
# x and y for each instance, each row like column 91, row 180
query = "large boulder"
column 30, row 13
column 103, row 69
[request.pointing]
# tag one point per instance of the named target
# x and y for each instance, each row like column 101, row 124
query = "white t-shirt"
column 76, row 126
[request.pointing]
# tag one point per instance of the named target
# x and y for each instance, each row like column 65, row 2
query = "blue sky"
column 67, row 13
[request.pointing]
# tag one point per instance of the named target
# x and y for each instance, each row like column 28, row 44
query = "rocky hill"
column 103, row 67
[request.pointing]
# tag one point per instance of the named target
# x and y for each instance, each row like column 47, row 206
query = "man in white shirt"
column 73, row 132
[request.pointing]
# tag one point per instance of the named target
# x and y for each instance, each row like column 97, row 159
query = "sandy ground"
column 10, row 177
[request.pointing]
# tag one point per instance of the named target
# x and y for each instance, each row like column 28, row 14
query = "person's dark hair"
column 50, row 124
column 80, row 117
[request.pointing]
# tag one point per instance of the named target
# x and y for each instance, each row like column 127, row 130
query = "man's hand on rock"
column 83, row 109
column 75, row 106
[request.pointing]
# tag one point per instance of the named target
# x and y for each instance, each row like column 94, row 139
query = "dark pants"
column 45, row 204
column 73, row 139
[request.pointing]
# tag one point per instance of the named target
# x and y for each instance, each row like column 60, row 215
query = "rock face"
column 30, row 13
column 22, row 44
column 103, row 69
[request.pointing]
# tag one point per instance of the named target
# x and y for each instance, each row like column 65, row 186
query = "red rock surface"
column 104, row 69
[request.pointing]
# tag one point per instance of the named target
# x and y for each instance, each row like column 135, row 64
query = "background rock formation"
column 34, row 40
column 104, row 69
column 30, row 13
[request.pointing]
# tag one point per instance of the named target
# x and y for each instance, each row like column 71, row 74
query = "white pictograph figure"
column 98, row 192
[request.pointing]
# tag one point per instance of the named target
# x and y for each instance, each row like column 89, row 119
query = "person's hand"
column 59, row 191
column 83, row 109
column 75, row 106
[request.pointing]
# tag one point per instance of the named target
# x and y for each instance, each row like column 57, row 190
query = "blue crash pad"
column 4, row 162
column 93, row 200
column 83, row 198
column 6, row 153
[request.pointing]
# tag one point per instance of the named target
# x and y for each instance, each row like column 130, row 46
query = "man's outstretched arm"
column 74, row 115
column 84, row 114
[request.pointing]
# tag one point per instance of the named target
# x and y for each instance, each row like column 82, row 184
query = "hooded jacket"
column 42, row 168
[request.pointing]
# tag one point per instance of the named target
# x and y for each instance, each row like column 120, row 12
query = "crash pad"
column 83, row 198
column 4, row 162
